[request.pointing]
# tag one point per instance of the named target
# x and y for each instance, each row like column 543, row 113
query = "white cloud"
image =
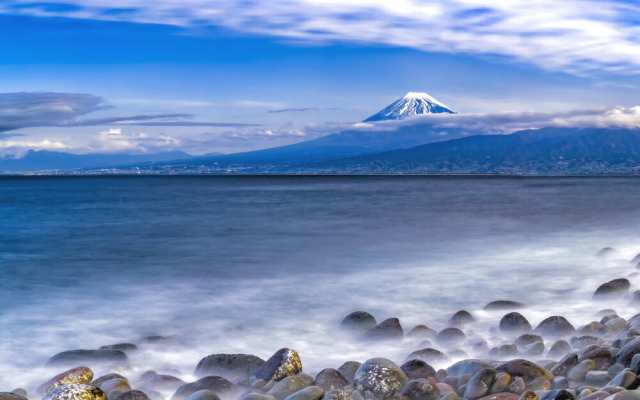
column 115, row 140
column 577, row 36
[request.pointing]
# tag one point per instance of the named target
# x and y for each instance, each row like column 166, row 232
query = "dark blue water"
column 90, row 261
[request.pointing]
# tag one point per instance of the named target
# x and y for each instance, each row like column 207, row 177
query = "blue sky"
column 224, row 76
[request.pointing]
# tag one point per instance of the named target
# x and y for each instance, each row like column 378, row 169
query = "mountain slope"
column 544, row 151
column 58, row 161
column 340, row 145
column 413, row 104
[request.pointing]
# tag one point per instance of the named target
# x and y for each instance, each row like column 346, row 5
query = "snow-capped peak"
column 411, row 105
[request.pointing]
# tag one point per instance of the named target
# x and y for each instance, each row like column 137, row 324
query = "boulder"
column 555, row 326
column 626, row 353
column 330, row 379
column 235, row 367
column 420, row 389
column 579, row 372
column 75, row 392
column 285, row 362
column 82, row 375
column 204, row 395
column 359, row 321
column 289, row 385
column 389, row 329
column 626, row 379
column 460, row 318
column 503, row 305
column 525, row 369
column 450, row 336
column 132, row 395
column 467, row 367
column 501, row 396
column 380, row 378
column 216, row 384
column 514, row 323
column 12, row 396
column 565, row 364
column 559, row 349
column 120, row 346
column 612, row 288
column 422, row 331
column 428, row 355
column 89, row 357
column 348, row 370
column 480, row 383
column 417, row 369
column 161, row 382
column 308, row 393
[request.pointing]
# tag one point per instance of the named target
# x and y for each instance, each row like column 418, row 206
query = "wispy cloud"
column 300, row 110
column 43, row 109
column 23, row 110
column 577, row 36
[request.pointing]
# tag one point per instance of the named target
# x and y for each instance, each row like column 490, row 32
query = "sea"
column 240, row 264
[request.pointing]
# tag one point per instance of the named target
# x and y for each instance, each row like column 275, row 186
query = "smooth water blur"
column 252, row 264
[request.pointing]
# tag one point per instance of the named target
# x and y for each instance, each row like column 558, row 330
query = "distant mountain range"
column 58, row 161
column 548, row 151
column 424, row 143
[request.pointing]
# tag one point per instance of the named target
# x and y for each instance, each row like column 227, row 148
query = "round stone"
column 380, row 377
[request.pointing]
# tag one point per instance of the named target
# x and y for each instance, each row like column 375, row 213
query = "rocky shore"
column 514, row 360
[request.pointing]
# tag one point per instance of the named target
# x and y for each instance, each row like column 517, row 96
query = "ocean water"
column 253, row 264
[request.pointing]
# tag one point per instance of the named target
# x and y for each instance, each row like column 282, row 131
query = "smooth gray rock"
column 380, row 377
column 417, row 369
column 216, row 384
column 290, row 385
column 348, row 370
column 359, row 321
column 612, row 288
column 514, row 323
column 330, row 379
column 285, row 362
column 480, row 383
column 308, row 393
column 389, row 329
column 89, row 357
column 555, row 326
column 234, row 367
column 420, row 389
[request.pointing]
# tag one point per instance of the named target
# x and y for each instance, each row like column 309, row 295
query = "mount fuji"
column 413, row 104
